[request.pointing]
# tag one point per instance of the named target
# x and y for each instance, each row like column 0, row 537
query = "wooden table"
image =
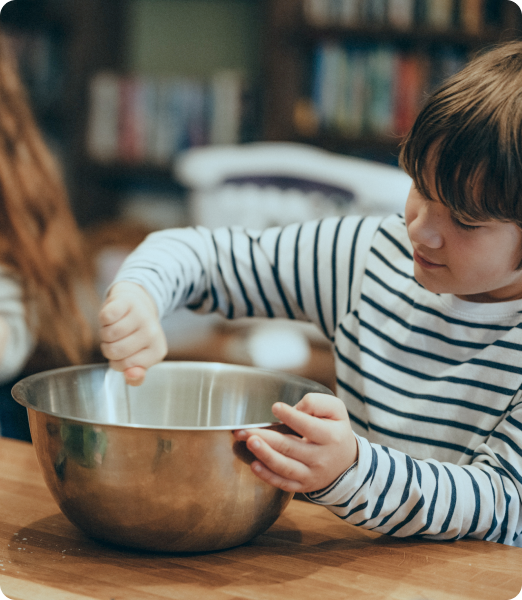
column 307, row 554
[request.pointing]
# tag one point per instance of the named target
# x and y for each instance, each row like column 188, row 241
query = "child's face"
column 474, row 261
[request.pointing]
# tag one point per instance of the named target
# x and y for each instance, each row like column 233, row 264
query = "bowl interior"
column 177, row 395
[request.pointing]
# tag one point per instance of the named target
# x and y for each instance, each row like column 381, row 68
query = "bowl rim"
column 17, row 387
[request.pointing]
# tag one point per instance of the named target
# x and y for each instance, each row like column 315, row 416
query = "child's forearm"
column 227, row 271
column 389, row 492
column 276, row 273
column 169, row 265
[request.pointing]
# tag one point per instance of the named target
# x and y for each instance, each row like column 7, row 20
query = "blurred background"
column 218, row 112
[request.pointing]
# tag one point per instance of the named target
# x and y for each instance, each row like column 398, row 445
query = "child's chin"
column 427, row 283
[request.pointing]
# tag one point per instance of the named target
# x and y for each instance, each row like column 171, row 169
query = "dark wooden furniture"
column 291, row 39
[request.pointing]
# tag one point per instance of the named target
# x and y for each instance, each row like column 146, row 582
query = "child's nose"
column 426, row 229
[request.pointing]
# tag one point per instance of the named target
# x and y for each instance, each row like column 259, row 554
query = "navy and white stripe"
column 432, row 383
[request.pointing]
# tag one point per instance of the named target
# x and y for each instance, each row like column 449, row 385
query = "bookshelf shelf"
column 423, row 36
column 386, row 147
column 116, row 171
column 355, row 86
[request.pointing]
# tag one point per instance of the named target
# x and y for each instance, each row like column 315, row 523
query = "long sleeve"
column 390, row 492
column 20, row 342
column 276, row 273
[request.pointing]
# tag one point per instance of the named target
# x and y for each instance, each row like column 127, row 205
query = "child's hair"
column 468, row 139
column 39, row 239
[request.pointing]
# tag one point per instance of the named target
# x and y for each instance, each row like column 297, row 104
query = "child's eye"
column 465, row 226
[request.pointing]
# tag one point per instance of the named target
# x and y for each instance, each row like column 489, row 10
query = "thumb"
column 322, row 406
column 134, row 375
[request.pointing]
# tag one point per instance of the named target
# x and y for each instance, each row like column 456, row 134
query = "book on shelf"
column 411, row 80
column 440, row 14
column 444, row 62
column 327, row 81
column 344, row 111
column 146, row 120
column 226, row 107
column 348, row 12
column 380, row 92
column 356, row 91
column 493, row 13
column 400, row 13
column 199, row 116
column 376, row 90
column 374, row 12
column 420, row 12
column 132, row 121
column 163, row 129
column 319, row 12
column 103, row 125
column 472, row 14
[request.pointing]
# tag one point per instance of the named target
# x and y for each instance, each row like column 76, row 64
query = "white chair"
column 275, row 183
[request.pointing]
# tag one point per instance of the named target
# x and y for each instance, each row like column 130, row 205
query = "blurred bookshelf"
column 351, row 75
column 345, row 75
column 143, row 114
column 116, row 132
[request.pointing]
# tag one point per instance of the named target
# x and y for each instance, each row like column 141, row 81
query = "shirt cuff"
column 347, row 484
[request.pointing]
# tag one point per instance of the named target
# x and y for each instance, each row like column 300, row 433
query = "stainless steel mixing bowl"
column 156, row 467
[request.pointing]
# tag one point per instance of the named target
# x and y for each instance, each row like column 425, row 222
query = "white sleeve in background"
column 20, row 342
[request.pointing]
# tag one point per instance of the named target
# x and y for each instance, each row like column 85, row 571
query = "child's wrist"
column 333, row 483
column 130, row 287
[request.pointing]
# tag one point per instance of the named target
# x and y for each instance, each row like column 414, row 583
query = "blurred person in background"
column 43, row 269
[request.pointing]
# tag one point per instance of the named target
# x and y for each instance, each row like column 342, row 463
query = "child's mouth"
column 426, row 264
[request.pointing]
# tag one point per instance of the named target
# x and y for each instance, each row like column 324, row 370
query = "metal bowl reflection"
column 156, row 467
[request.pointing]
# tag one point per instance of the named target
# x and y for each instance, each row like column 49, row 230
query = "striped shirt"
column 431, row 382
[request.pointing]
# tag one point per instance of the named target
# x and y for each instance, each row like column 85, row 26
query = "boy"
column 424, row 312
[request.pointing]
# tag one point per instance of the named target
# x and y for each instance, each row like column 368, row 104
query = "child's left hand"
column 309, row 463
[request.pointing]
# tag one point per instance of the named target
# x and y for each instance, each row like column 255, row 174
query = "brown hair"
column 39, row 242
column 470, row 132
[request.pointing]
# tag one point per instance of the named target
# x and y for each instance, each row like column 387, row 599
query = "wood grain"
column 308, row 554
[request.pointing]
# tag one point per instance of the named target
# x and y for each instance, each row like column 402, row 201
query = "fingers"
column 124, row 323
column 135, row 375
column 309, row 418
column 131, row 335
column 143, row 347
column 288, row 456
column 121, row 317
column 145, row 359
column 275, row 468
column 322, row 447
column 274, row 479
column 323, row 406
column 286, row 444
column 130, row 342
column 113, row 310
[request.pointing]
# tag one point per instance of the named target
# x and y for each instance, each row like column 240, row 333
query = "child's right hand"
column 131, row 334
